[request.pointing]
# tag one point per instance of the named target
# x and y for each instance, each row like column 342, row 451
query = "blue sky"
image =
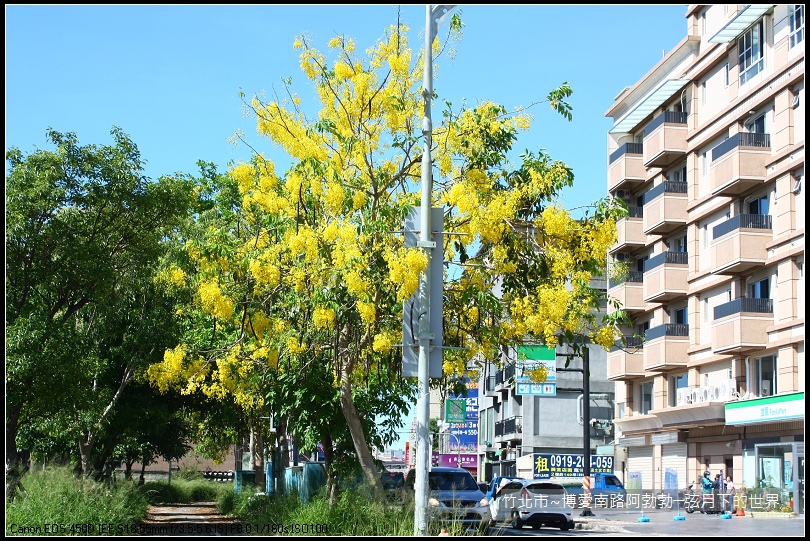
column 170, row 76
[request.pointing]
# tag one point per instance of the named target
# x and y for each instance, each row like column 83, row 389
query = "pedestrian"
column 707, row 486
column 730, row 492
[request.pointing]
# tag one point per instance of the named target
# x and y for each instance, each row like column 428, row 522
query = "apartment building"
column 707, row 150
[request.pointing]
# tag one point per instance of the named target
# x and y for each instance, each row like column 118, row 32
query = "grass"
column 54, row 497
column 59, row 504
column 354, row 513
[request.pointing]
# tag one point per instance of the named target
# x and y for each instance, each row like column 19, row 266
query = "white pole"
column 433, row 19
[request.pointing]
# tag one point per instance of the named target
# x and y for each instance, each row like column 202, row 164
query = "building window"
column 676, row 382
column 680, row 316
column 727, row 76
column 705, row 310
column 796, row 24
column 704, row 96
column 679, row 244
column 705, row 161
column 758, row 206
column 760, row 290
column 766, row 376
column 646, row 397
column 706, row 236
column 751, row 46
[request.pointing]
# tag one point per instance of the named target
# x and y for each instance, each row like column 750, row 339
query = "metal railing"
column 742, row 139
column 627, row 148
column 744, row 304
column 635, row 212
column 669, row 117
column 631, row 276
column 740, row 221
column 511, row 425
column 629, row 342
column 668, row 257
column 668, row 186
column 668, row 329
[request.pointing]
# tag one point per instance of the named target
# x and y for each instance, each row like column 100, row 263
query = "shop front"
column 773, row 450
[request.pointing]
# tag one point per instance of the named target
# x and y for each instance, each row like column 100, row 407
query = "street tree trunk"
column 361, row 447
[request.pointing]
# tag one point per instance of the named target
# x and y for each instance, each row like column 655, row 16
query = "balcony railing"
column 669, row 257
column 511, row 425
column 742, row 139
column 629, row 342
column 627, row 148
column 631, row 276
column 635, row 212
column 669, row 117
column 668, row 329
column 668, row 186
column 744, row 304
column 743, row 221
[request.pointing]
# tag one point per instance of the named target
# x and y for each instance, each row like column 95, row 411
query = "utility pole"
column 434, row 17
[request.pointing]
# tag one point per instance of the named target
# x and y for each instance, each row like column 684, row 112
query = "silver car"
column 454, row 496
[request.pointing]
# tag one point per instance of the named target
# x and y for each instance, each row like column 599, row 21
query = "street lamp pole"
column 434, row 17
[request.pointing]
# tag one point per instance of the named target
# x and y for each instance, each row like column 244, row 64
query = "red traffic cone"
column 740, row 512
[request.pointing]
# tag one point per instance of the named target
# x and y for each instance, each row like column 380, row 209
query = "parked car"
column 542, row 503
column 393, row 483
column 503, row 502
column 454, row 496
column 606, row 490
column 496, row 482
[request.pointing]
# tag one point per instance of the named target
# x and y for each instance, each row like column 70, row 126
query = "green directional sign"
column 455, row 411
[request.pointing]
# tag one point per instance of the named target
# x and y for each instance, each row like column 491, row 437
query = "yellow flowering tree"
column 309, row 276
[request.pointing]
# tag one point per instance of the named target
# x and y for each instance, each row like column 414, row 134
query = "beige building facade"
column 707, row 150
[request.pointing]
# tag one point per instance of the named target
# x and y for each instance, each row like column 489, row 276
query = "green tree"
column 84, row 228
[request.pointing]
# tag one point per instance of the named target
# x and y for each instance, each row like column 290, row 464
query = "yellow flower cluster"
column 305, row 243
column 383, row 342
column 606, row 336
column 266, row 274
column 323, row 318
column 357, row 285
column 214, row 302
column 405, row 267
column 333, row 198
column 294, row 346
column 368, row 312
column 244, row 175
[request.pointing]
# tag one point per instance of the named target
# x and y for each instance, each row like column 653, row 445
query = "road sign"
column 537, row 389
column 455, row 411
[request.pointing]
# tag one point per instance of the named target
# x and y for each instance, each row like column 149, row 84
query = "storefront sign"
column 760, row 410
column 546, row 466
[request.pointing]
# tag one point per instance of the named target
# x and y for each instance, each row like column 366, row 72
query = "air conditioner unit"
column 621, row 194
column 622, row 256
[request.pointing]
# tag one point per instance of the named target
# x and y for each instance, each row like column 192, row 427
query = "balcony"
column 739, row 243
column 629, row 231
column 665, row 139
column 628, row 290
column 665, row 347
column 626, row 167
column 626, row 362
column 504, row 378
column 739, row 162
column 740, row 326
column 665, row 276
column 509, row 428
column 665, row 208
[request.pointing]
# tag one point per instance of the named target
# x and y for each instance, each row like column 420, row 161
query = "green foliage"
column 55, row 496
column 185, row 491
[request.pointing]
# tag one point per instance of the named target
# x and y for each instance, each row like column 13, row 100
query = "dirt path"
column 201, row 518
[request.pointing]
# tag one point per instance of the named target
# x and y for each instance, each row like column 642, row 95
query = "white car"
column 535, row 503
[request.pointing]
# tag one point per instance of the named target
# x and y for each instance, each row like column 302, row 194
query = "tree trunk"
column 364, row 456
column 257, row 455
column 14, row 465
